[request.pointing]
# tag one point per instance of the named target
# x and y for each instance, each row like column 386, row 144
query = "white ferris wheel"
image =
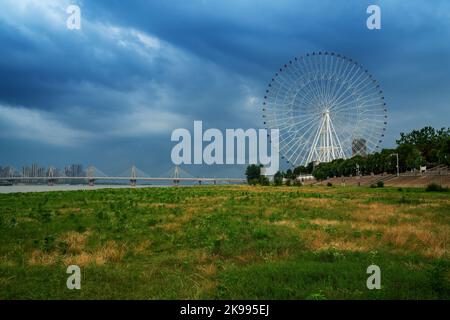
column 326, row 106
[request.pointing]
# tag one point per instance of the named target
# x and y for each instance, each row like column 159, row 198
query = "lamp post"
column 398, row 169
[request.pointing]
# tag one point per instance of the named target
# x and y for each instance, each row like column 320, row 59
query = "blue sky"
column 111, row 93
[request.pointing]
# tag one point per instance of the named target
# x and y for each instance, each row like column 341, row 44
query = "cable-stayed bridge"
column 175, row 175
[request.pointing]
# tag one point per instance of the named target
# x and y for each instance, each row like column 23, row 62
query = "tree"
column 320, row 171
column 427, row 140
column 264, row 181
column 289, row 174
column 419, row 147
column 278, row 178
column 253, row 173
column 444, row 152
column 409, row 157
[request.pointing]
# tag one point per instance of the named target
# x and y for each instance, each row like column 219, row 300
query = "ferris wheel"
column 326, row 106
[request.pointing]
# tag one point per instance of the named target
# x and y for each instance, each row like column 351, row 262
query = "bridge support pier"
column 91, row 182
column 50, row 182
column 133, row 182
column 199, row 182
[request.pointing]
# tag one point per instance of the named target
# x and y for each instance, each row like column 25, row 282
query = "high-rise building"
column 359, row 147
column 74, row 170
column 26, row 171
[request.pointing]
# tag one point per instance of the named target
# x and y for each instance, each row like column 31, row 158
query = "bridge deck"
column 122, row 178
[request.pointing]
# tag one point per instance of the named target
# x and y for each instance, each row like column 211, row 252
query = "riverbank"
column 226, row 242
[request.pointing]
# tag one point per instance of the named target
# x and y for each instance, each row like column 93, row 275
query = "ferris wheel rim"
column 376, row 130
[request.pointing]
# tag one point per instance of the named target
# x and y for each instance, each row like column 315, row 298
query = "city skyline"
column 36, row 170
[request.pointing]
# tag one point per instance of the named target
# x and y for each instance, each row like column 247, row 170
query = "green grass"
column 235, row 242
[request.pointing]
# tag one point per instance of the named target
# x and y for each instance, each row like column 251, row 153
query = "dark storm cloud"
column 139, row 69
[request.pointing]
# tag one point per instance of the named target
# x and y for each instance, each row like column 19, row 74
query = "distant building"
column 34, row 170
column 359, row 147
column 26, row 171
column 74, row 170
column 6, row 171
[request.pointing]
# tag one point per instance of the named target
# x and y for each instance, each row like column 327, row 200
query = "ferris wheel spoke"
column 300, row 138
column 294, row 124
column 287, row 135
column 306, row 132
column 304, row 119
column 338, row 106
column 353, row 90
column 322, row 103
column 343, row 78
column 345, row 86
column 374, row 108
column 294, row 133
column 311, row 70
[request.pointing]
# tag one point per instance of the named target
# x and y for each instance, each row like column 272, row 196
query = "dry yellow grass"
column 321, row 240
column 77, row 253
column 171, row 226
column 158, row 205
column 325, row 222
column 75, row 241
column 40, row 258
column 323, row 203
column 142, row 247
column 286, row 223
column 373, row 212
column 68, row 210
column 110, row 252
column 208, row 270
column 410, row 233
column 418, row 238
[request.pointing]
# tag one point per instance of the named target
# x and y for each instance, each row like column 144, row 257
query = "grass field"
column 231, row 242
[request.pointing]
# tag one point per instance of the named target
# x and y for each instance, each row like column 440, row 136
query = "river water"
column 66, row 187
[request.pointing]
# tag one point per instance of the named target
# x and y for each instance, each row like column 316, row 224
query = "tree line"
column 425, row 147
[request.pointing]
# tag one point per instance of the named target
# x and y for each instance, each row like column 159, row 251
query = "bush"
column 288, row 182
column 437, row 278
column 373, row 185
column 264, row 181
column 329, row 184
column 434, row 187
column 278, row 179
column 298, row 183
column 380, row 184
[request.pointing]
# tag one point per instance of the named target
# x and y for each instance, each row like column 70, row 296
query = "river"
column 66, row 187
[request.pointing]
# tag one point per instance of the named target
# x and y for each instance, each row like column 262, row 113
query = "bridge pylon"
column 133, row 176
column 50, row 176
column 90, row 176
column 176, row 175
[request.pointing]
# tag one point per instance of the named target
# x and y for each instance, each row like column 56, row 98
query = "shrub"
column 264, row 181
column 437, row 278
column 380, row 184
column 298, row 183
column 253, row 173
column 329, row 184
column 373, row 185
column 278, row 179
column 434, row 187
column 288, row 182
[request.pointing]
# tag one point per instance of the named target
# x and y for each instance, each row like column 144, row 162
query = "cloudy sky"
column 111, row 93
